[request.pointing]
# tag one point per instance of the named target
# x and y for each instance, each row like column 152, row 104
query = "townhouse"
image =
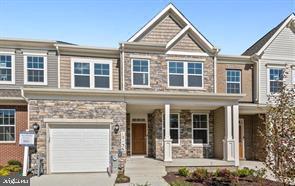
column 165, row 93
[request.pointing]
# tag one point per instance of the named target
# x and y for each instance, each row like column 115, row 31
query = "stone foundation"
column 55, row 109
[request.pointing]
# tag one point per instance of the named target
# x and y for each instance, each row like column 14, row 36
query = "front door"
column 241, row 139
column 138, row 138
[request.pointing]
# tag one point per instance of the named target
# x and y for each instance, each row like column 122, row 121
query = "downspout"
column 58, row 66
column 255, row 59
column 123, row 68
column 215, row 70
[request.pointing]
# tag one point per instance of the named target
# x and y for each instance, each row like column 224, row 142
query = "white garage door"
column 79, row 148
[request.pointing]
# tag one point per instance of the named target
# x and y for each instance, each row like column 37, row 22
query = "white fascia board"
column 179, row 35
column 149, row 24
column 275, row 35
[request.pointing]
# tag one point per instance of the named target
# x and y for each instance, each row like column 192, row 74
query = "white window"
column 140, row 73
column 82, row 74
column 92, row 73
column 101, row 75
column 35, row 70
column 185, row 74
column 233, row 81
column 7, row 125
column 6, row 69
column 275, row 79
column 200, row 128
column 174, row 127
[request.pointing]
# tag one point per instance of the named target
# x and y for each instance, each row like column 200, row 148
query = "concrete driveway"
column 74, row 179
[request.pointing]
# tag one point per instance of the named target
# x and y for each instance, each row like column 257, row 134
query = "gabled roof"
column 187, row 26
column 263, row 43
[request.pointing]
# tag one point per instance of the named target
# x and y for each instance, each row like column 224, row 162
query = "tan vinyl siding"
column 246, row 81
column 219, row 122
column 52, row 72
column 163, row 32
column 186, row 44
column 65, row 72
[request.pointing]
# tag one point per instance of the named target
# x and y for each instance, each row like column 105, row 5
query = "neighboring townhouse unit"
column 273, row 53
column 166, row 93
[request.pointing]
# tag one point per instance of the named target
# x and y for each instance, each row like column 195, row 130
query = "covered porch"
column 171, row 127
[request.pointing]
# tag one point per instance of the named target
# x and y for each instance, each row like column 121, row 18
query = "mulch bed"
column 217, row 181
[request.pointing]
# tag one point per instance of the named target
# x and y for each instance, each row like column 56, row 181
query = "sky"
column 231, row 25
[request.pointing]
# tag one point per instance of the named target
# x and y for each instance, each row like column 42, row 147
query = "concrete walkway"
column 74, row 179
column 145, row 170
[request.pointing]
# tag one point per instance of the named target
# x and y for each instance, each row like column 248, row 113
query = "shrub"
column 180, row 183
column 4, row 172
column 12, row 168
column 121, row 178
column 14, row 162
column 183, row 172
column 245, row 172
column 223, row 173
column 200, row 174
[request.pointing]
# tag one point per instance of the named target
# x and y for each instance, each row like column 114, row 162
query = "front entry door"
column 138, row 138
column 241, row 139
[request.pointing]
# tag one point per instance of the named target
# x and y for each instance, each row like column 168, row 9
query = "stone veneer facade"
column 41, row 109
column 185, row 149
column 159, row 74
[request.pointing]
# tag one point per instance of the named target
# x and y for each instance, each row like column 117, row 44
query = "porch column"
column 236, row 133
column 228, row 142
column 167, row 140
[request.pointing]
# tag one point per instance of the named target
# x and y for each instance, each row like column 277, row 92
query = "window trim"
column 185, row 74
column 26, row 55
column 240, row 82
column 91, row 74
column 208, row 128
column 163, row 124
column 15, row 127
column 268, row 78
column 149, row 78
column 12, row 82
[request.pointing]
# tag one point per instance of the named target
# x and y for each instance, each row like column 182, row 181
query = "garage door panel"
column 79, row 149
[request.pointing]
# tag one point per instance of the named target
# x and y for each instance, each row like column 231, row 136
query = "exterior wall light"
column 116, row 129
column 36, row 127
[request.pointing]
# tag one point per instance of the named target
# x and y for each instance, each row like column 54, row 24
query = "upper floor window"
column 89, row 73
column 82, row 74
column 6, row 69
column 35, row 70
column 174, row 127
column 233, row 81
column 275, row 79
column 140, row 72
column 7, row 125
column 200, row 129
column 185, row 74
